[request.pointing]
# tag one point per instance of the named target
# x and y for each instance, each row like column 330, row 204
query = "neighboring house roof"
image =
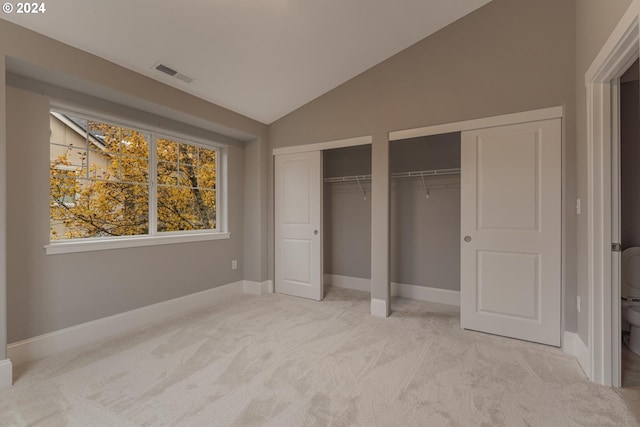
column 80, row 127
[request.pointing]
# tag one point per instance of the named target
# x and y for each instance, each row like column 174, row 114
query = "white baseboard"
column 348, row 282
column 379, row 308
column 422, row 293
column 257, row 288
column 64, row 339
column 573, row 344
column 6, row 373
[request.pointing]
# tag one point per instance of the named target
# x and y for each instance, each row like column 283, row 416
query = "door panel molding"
column 298, row 225
column 511, row 277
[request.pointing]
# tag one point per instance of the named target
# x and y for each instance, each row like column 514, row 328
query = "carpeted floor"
column 282, row 361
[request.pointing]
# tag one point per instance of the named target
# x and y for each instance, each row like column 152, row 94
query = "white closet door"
column 511, row 231
column 298, row 217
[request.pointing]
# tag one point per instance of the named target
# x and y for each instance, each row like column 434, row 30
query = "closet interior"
column 424, row 215
column 347, row 217
column 425, row 212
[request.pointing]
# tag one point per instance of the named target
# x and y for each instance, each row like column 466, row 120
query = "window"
column 113, row 181
column 186, row 196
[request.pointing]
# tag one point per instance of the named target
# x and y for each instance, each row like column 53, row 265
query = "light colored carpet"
column 282, row 361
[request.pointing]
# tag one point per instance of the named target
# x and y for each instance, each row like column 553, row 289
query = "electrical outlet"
column 578, row 303
column 234, row 264
column 578, row 207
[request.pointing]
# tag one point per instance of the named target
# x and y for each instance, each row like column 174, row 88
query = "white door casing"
column 616, row 55
column 298, row 219
column 616, row 237
column 511, row 229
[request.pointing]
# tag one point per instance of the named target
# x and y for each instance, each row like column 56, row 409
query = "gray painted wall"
column 505, row 57
column 595, row 20
column 630, row 159
column 347, row 215
column 48, row 293
column 425, row 233
column 51, row 292
column 347, row 161
column 426, row 153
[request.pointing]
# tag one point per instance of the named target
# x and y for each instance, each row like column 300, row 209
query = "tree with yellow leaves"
column 108, row 192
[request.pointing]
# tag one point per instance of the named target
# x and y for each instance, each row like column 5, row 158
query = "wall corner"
column 6, row 374
column 379, row 308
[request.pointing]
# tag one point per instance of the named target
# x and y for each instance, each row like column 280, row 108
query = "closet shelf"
column 412, row 174
column 425, row 173
column 354, row 178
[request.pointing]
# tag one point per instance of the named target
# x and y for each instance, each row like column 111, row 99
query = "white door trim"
column 620, row 51
column 475, row 124
column 616, row 322
column 328, row 145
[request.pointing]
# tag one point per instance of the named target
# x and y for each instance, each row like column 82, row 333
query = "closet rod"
column 412, row 174
column 433, row 172
column 356, row 178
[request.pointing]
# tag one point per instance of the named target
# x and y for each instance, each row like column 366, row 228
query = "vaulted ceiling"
column 260, row 58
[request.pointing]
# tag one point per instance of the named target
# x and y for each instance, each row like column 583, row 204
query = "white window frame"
column 154, row 237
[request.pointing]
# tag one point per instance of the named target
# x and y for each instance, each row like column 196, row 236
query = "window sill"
column 129, row 242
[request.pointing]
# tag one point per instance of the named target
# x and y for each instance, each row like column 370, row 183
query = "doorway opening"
column 626, row 220
column 601, row 360
column 425, row 219
column 300, row 178
column 347, row 223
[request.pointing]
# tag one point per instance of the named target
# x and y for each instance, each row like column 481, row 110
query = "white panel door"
column 511, row 231
column 298, row 219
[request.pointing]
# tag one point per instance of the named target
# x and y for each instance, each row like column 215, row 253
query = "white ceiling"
column 260, row 58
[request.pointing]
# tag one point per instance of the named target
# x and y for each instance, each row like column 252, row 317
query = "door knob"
column 467, row 239
column 315, row 232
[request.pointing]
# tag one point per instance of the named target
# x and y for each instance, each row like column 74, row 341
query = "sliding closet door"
column 511, row 231
column 298, row 216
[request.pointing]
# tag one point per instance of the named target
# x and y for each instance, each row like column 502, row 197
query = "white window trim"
column 155, row 237
column 153, row 184
column 85, row 245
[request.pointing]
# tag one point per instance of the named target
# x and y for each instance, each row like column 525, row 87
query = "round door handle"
column 315, row 232
column 467, row 239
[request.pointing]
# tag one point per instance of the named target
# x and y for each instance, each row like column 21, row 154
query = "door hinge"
column 616, row 247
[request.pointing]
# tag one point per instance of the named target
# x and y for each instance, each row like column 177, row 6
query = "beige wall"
column 51, row 292
column 595, row 20
column 48, row 292
column 508, row 56
column 425, row 233
column 347, row 214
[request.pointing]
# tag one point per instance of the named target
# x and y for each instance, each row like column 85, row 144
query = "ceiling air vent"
column 171, row 72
